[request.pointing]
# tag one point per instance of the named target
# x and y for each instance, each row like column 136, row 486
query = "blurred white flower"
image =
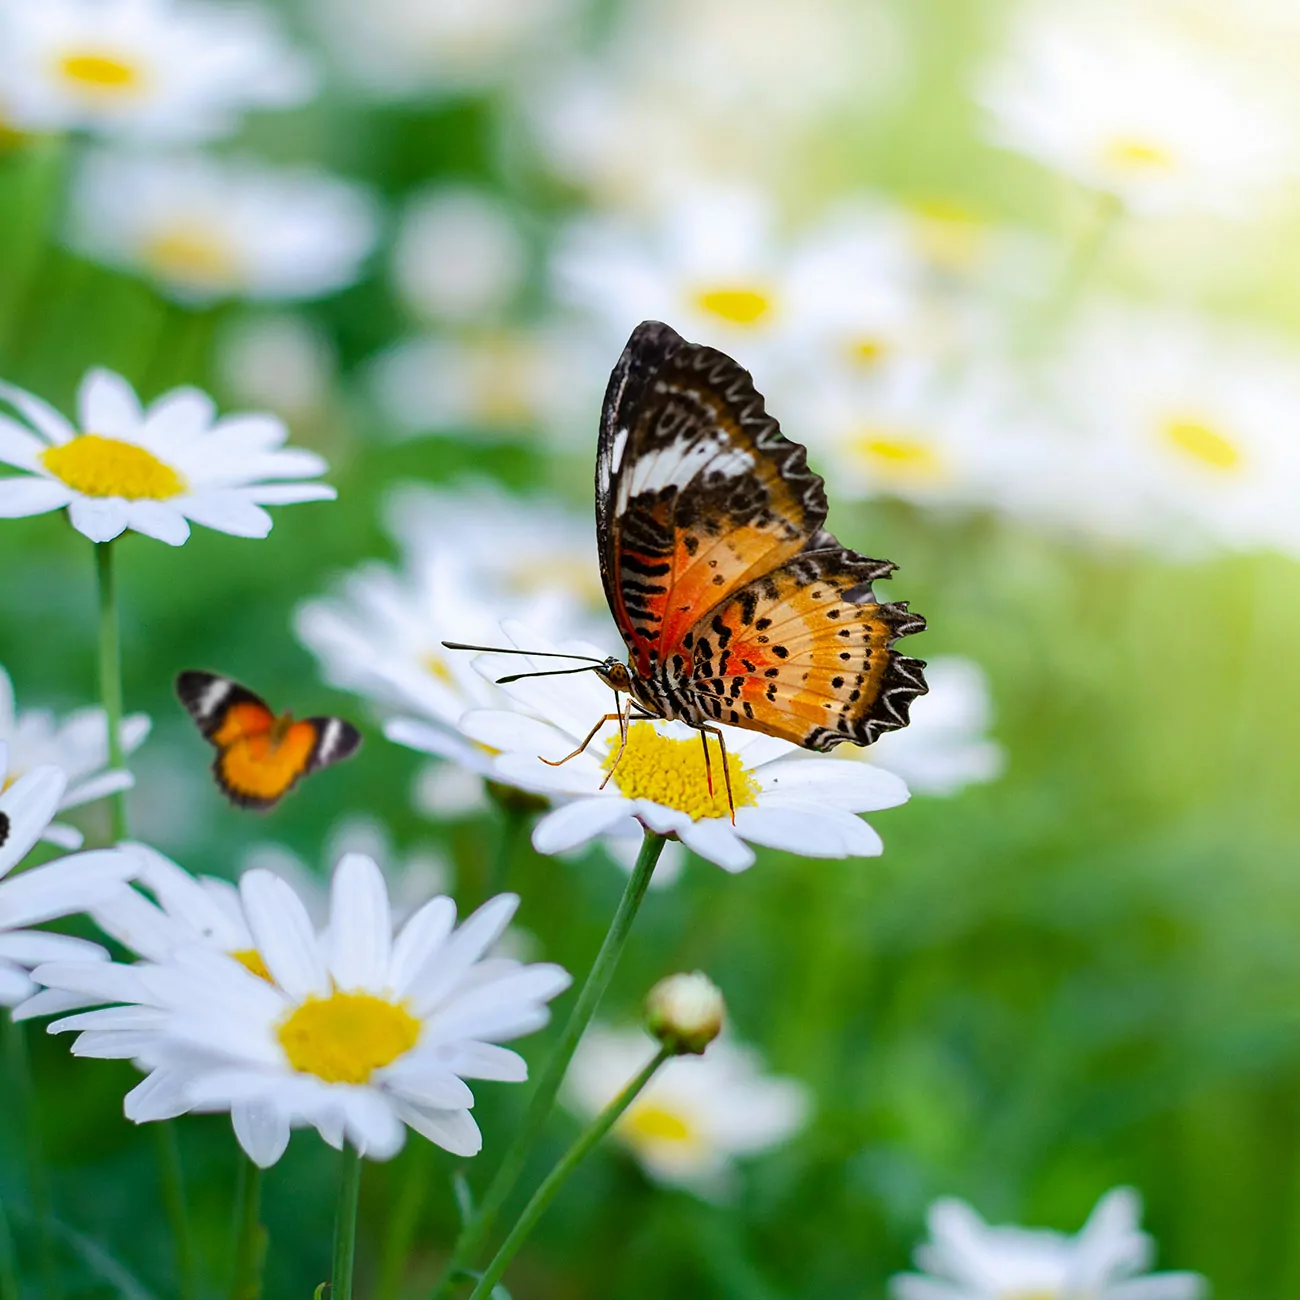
column 401, row 48
column 1132, row 109
column 944, row 747
column 77, row 745
column 459, row 255
column 507, row 383
column 358, row 1032
column 443, row 791
column 1109, row 1259
column 153, row 470
column 411, row 879
column 205, row 228
column 1169, row 431
column 801, row 805
column 283, row 363
column 697, row 1116
column 143, row 69
column 59, row 888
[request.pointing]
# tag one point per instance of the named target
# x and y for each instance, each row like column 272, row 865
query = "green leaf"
column 319, row 1292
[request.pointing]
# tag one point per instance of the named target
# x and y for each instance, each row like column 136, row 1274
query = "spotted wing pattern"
column 805, row 653
column 697, row 490
column 260, row 757
column 734, row 601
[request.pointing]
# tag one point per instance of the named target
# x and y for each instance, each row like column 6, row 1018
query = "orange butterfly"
column 260, row 757
column 735, row 604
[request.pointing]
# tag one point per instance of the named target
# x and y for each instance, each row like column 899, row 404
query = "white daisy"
column 944, row 747
column 1109, row 1259
column 283, row 363
column 802, row 805
column 153, row 470
column 76, row 744
column 401, row 48
column 511, row 384
column 1132, row 109
column 60, row 888
column 356, row 1033
column 459, row 255
column 144, row 69
column 697, row 1115
column 205, row 228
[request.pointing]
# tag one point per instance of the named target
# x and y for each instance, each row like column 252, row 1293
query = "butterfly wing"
column 805, row 653
column 260, row 757
column 697, row 490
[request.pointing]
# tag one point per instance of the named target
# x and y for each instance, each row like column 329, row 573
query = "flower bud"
column 685, row 1012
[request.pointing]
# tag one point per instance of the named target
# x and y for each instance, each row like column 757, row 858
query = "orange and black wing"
column 697, row 490
column 806, row 653
column 260, row 757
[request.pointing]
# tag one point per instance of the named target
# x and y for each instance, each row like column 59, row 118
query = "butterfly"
column 735, row 604
column 260, row 756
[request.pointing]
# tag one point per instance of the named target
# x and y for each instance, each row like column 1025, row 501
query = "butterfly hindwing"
column 260, row 757
column 805, row 653
column 697, row 490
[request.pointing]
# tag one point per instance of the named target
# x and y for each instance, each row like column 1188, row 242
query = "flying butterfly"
column 735, row 604
column 260, row 756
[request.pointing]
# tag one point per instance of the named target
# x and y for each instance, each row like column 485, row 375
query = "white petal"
column 15, row 985
column 714, row 839
column 63, row 887
column 513, row 732
column 20, row 447
column 419, row 1080
column 31, row 947
column 453, row 1130
column 107, row 405
column 361, row 925
column 467, row 1013
column 844, row 783
column 111, row 1018
column 449, row 964
column 21, row 496
column 577, row 822
column 161, row 1095
column 159, row 520
column 283, row 935
column 289, row 494
column 421, row 937
column 227, row 513
column 261, row 1130
column 810, row 829
column 41, row 415
column 372, row 1123
column 181, row 413
column 28, row 806
column 62, row 836
column 99, row 518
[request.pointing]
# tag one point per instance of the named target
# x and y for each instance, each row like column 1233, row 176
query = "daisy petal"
column 20, row 447
column 28, row 806
column 22, row 496
column 576, row 823
column 452, row 1130
column 61, row 888
column 283, row 935
column 107, row 405
column 227, row 512
column 156, row 519
column 99, row 518
column 43, row 417
column 361, row 926
column 261, row 1131
column 714, row 839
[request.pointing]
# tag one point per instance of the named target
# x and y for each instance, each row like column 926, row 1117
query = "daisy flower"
column 799, row 804
column 944, row 747
column 459, row 255
column 144, row 69
column 1109, row 1259
column 359, row 1033
column 60, row 888
column 76, row 744
column 204, row 228
column 154, row 470
column 282, row 362
column 1132, row 109
column 696, row 1116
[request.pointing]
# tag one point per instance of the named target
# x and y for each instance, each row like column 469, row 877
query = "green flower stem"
column 345, row 1224
column 513, row 823
column 110, row 675
column 38, row 1185
column 250, row 1240
column 556, row 1179
column 170, row 1174
column 476, row 1231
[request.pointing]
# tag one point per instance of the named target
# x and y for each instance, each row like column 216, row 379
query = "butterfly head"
column 615, row 674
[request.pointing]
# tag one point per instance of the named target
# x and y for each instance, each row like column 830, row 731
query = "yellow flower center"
column 99, row 73
column 192, row 252
column 897, row 456
column 1203, row 443
column 436, row 666
column 251, row 960
column 867, row 352
column 1135, row 155
column 346, row 1037
column 948, row 234
column 108, row 467
column 672, row 773
column 647, row 1122
column 736, row 304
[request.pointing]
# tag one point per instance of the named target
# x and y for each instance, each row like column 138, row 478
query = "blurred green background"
column 1082, row 974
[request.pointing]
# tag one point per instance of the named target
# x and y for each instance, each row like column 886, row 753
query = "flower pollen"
column 107, row 467
column 346, row 1037
column 735, row 304
column 1204, row 443
column 99, row 73
column 251, row 960
column 672, row 773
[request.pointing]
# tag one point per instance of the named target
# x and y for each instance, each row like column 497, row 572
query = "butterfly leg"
column 622, row 739
column 705, row 733
column 591, row 735
column 708, row 766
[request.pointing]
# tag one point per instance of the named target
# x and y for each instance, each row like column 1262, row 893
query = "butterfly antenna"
column 547, row 672
column 511, row 650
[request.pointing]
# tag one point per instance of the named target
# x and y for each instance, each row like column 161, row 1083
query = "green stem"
column 345, row 1225
column 38, row 1186
column 476, row 1231
column 556, row 1179
column 513, row 822
column 250, row 1241
column 110, row 675
column 172, row 1179
column 403, row 1220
